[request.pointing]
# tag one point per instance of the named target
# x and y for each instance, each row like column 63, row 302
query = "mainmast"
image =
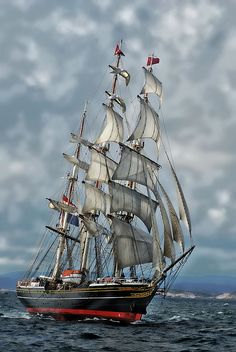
column 102, row 150
column 118, row 53
column 105, row 147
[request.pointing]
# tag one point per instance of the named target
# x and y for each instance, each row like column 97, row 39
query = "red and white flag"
column 118, row 51
column 66, row 200
column 152, row 60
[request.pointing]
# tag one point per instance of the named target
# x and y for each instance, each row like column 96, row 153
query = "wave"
column 14, row 314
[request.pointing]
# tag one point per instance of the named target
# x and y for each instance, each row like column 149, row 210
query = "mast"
column 138, row 145
column 159, row 261
column 105, row 147
column 63, row 225
column 119, row 53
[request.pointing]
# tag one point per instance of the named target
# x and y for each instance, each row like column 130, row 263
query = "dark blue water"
column 173, row 324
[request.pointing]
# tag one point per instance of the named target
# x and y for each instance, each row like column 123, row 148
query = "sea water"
column 172, row 324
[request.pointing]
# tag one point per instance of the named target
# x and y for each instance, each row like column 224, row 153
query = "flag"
column 118, row 51
column 73, row 220
column 66, row 200
column 152, row 60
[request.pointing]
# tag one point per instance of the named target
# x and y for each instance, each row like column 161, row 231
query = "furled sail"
column 148, row 123
column 101, row 167
column 176, row 228
column 117, row 99
column 152, row 84
column 183, row 208
column 127, row 199
column 136, row 168
column 113, row 128
column 77, row 139
column 132, row 246
column 169, row 249
column 123, row 73
column 95, row 199
column 73, row 160
column 60, row 206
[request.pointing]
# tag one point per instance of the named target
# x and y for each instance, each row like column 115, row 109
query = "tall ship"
column 120, row 229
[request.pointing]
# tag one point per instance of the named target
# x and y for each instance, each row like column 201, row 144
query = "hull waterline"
column 80, row 314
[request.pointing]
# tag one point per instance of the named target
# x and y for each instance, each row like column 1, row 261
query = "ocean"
column 172, row 324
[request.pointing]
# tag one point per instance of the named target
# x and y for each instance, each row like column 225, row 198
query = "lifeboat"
column 73, row 276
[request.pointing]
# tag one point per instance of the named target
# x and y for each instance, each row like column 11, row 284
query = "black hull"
column 122, row 303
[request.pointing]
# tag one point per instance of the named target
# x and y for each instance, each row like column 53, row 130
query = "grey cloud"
column 53, row 56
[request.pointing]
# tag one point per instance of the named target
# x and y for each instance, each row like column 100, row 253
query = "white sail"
column 158, row 261
column 84, row 248
column 152, row 84
column 169, row 249
column 91, row 226
column 148, row 123
column 127, row 199
column 136, row 168
column 73, row 160
column 83, row 236
column 183, row 208
column 176, row 228
column 96, row 200
column 132, row 246
column 101, row 168
column 157, row 254
column 112, row 130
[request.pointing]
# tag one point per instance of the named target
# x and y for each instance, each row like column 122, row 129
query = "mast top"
column 118, row 50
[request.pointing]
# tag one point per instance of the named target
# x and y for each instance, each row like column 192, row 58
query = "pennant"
column 152, row 60
column 118, row 51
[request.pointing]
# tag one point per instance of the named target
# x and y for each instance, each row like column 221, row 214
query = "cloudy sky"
column 53, row 56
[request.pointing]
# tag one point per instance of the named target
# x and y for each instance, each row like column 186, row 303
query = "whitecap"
column 15, row 315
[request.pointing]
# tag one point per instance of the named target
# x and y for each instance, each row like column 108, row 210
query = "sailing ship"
column 116, row 238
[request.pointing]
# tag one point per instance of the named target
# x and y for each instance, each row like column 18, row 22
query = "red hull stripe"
column 89, row 313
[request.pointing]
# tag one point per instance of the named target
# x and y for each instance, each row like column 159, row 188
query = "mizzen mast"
column 68, row 200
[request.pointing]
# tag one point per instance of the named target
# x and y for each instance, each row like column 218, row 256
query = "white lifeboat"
column 73, row 276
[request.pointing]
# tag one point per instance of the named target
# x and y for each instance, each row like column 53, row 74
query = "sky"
column 53, row 56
